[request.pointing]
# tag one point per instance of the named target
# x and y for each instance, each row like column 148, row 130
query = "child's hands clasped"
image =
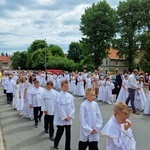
column 127, row 125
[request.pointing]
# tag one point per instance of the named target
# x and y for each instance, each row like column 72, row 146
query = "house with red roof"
column 113, row 63
column 5, row 62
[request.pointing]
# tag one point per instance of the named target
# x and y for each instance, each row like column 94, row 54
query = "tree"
column 75, row 52
column 56, row 50
column 36, row 45
column 130, row 26
column 98, row 26
column 6, row 55
column 40, row 58
column 2, row 54
column 19, row 59
column 61, row 63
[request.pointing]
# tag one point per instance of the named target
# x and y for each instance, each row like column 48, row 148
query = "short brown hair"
column 122, row 108
column 49, row 83
column 89, row 90
column 36, row 81
column 64, row 82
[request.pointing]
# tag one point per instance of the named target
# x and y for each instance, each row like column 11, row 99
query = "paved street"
column 19, row 133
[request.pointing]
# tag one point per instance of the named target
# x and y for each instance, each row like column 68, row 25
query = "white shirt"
column 90, row 118
column 34, row 96
column 9, row 85
column 64, row 108
column 116, row 137
column 49, row 101
column 132, row 83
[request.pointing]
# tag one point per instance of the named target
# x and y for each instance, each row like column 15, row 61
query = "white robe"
column 34, row 96
column 49, row 101
column 123, row 94
column 140, row 98
column 116, row 137
column 64, row 108
column 102, row 91
column 90, row 118
column 147, row 105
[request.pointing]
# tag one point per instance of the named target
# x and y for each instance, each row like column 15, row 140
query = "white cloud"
column 54, row 20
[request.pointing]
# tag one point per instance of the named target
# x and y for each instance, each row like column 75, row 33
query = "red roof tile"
column 113, row 54
column 4, row 59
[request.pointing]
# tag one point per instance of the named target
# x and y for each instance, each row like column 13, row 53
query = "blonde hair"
column 89, row 90
column 122, row 108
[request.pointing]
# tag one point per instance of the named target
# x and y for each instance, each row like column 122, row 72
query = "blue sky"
column 57, row 21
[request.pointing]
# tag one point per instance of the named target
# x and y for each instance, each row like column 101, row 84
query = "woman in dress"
column 123, row 94
column 95, row 80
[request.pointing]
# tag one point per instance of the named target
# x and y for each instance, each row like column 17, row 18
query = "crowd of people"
column 33, row 94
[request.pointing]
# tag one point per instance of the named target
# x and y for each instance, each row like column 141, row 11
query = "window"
column 106, row 62
column 117, row 62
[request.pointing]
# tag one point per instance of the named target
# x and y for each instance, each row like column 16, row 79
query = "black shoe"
column 51, row 138
column 46, row 131
column 36, row 125
column 55, row 147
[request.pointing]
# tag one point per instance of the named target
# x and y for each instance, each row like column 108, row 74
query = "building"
column 5, row 63
column 113, row 63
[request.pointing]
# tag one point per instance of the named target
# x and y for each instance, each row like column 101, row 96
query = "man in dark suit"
column 119, row 79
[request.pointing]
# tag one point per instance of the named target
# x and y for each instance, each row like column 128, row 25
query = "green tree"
column 2, row 54
column 19, row 59
column 6, row 54
column 130, row 26
column 98, row 26
column 40, row 58
column 61, row 63
column 56, row 50
column 36, row 45
column 75, row 52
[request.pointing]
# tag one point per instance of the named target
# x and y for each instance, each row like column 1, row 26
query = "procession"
column 37, row 94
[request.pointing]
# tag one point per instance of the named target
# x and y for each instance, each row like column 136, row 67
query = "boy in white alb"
column 49, row 104
column 90, row 122
column 117, row 130
column 64, row 115
column 36, row 101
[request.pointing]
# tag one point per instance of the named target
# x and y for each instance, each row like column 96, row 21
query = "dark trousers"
column 48, row 124
column 9, row 97
column 92, row 145
column 131, row 98
column 59, row 133
column 4, row 91
column 37, row 113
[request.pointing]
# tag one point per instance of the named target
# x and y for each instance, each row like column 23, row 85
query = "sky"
column 56, row 21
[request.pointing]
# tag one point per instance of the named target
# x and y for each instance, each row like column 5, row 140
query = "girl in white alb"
column 123, row 94
column 109, row 87
column 102, row 90
column 140, row 97
column 16, row 94
column 72, row 86
column 80, row 86
column 147, row 105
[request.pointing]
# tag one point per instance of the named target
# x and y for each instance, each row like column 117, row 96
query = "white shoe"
column 20, row 114
column 109, row 103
